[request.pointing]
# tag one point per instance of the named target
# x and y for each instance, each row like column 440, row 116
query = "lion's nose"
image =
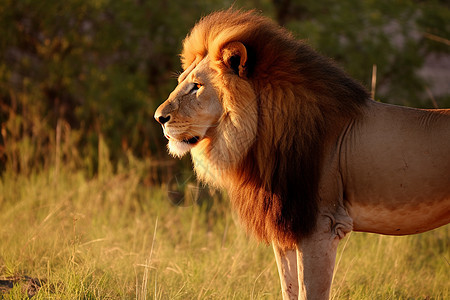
column 162, row 119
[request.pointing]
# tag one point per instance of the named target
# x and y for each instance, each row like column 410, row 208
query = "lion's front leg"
column 316, row 255
column 306, row 273
column 287, row 269
column 315, row 261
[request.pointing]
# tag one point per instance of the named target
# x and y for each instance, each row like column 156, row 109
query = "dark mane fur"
column 302, row 100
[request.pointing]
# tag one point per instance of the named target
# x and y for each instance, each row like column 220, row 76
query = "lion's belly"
column 400, row 202
column 407, row 219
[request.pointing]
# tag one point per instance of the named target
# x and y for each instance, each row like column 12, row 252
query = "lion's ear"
column 234, row 56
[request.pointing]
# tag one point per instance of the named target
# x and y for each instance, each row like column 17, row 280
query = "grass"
column 112, row 237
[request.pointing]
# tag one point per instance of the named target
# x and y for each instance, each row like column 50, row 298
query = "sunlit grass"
column 387, row 267
column 112, row 237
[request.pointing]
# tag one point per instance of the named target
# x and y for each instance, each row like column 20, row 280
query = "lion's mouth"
column 188, row 141
column 192, row 141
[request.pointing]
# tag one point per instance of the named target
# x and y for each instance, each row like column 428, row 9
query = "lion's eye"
column 195, row 88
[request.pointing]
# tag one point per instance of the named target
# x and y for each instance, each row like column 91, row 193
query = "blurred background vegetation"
column 85, row 175
column 80, row 80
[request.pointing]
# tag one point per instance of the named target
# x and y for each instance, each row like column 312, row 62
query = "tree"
column 77, row 71
column 396, row 36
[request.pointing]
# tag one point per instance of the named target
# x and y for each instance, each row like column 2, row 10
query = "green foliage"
column 95, row 68
column 78, row 73
column 393, row 35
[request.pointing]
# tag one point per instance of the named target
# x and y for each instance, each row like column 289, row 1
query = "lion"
column 304, row 152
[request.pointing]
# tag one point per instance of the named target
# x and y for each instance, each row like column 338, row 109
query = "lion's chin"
column 180, row 148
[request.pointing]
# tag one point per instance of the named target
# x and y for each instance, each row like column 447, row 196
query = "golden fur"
column 281, row 106
column 304, row 153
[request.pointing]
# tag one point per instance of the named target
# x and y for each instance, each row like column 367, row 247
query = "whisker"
column 205, row 125
column 186, row 125
column 175, row 74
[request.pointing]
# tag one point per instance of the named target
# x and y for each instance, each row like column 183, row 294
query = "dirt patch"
column 28, row 284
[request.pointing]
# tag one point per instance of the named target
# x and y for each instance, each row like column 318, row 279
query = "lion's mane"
column 269, row 146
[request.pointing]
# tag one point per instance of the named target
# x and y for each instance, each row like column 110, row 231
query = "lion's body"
column 304, row 153
column 395, row 164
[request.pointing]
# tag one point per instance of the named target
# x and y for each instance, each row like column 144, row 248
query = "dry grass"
column 113, row 238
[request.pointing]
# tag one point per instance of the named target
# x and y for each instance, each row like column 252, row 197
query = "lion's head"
column 255, row 107
column 193, row 109
column 212, row 111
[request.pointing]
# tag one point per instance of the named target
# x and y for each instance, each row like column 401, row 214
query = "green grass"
column 113, row 237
